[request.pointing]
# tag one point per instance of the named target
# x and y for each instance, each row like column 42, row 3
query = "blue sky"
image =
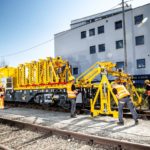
column 26, row 23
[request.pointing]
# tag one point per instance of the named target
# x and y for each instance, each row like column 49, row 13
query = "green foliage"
column 140, row 90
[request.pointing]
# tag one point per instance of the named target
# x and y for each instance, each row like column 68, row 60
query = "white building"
column 99, row 37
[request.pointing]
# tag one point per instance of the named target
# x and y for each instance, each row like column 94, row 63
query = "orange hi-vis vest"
column 1, row 100
column 71, row 94
column 121, row 91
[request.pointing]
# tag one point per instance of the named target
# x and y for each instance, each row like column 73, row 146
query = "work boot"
column 73, row 116
column 120, row 123
column 136, row 122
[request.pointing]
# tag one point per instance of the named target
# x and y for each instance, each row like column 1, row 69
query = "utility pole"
column 124, row 37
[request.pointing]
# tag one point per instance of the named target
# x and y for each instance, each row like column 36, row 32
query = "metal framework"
column 100, row 103
column 49, row 73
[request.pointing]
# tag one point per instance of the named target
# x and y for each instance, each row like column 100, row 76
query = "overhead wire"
column 45, row 42
column 28, row 49
column 120, row 4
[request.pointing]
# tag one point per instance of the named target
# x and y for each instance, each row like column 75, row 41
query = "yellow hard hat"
column 71, row 78
column 112, row 83
column 146, row 81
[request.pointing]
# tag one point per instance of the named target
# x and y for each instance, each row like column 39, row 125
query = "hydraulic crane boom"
column 90, row 74
column 103, row 95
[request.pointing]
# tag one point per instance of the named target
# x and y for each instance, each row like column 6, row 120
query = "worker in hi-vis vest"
column 1, row 97
column 123, row 97
column 147, row 92
column 72, row 94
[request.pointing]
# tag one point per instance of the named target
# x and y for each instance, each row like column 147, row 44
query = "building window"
column 92, row 49
column 92, row 20
column 83, row 34
column 101, row 47
column 139, row 40
column 118, row 24
column 140, row 63
column 75, row 71
column 138, row 19
column 120, row 65
column 119, row 44
column 100, row 29
column 87, row 21
column 92, row 32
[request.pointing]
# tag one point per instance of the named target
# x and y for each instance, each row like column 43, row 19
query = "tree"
column 3, row 62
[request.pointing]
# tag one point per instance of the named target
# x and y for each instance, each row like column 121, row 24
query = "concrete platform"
column 101, row 126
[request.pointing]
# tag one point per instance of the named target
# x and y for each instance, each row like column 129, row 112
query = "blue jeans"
column 73, row 106
column 148, row 102
column 130, row 105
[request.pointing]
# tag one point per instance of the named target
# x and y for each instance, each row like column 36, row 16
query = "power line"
column 28, row 49
column 120, row 4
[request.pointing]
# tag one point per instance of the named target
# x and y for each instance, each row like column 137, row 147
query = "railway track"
column 19, row 135
column 143, row 113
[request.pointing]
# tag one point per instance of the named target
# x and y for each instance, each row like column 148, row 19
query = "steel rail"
column 2, row 147
column 145, row 115
column 117, row 144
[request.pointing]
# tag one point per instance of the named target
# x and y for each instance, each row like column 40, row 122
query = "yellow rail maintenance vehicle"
column 43, row 81
column 47, row 81
column 100, row 93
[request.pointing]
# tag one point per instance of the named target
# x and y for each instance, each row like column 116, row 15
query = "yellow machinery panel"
column 45, row 73
column 6, row 73
column 50, row 72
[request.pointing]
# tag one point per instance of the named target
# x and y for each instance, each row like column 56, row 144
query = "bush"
column 141, row 90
